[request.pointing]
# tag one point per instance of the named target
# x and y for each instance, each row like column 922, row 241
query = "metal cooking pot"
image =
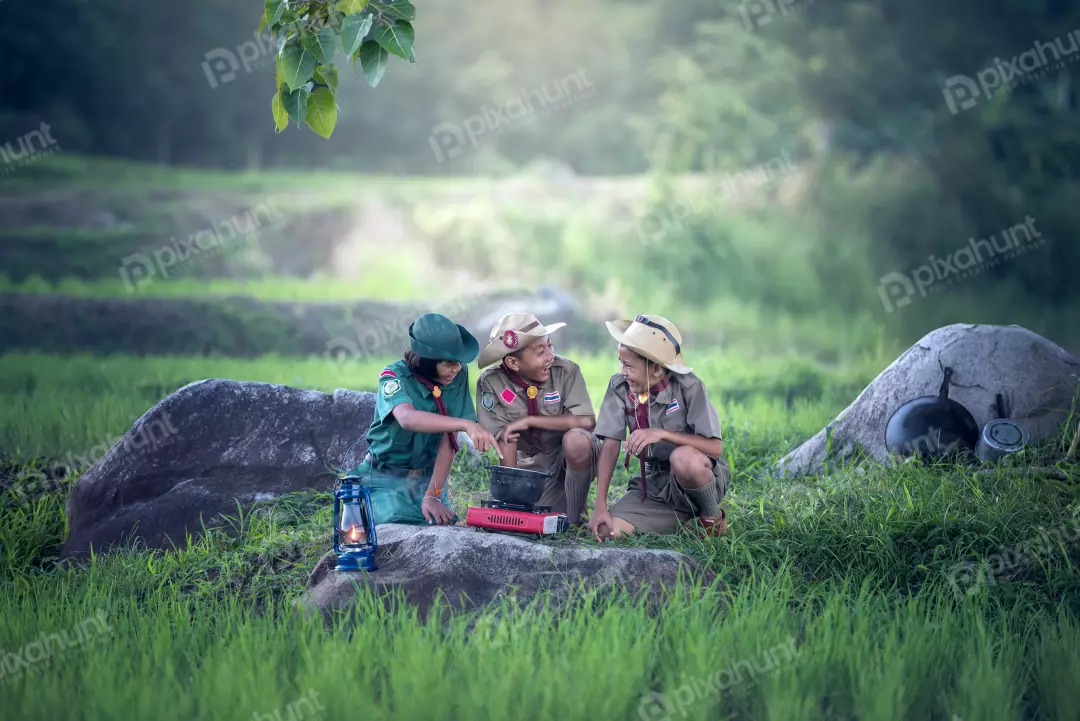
column 932, row 426
column 517, row 486
column 1001, row 436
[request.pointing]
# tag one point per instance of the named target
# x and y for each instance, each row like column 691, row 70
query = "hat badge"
column 510, row 339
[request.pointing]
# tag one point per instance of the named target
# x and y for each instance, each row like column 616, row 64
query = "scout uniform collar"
column 513, row 331
column 652, row 337
column 436, row 337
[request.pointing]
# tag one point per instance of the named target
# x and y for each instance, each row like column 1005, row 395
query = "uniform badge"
column 510, row 339
column 532, row 392
column 391, row 387
column 508, row 396
column 487, row 400
column 672, row 407
column 550, row 398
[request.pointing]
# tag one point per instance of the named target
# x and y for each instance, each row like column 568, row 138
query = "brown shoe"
column 713, row 525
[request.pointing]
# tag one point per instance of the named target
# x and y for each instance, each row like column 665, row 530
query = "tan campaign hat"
column 653, row 337
column 511, row 333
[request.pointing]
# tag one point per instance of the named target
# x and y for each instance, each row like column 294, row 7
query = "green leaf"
column 322, row 112
column 327, row 75
column 299, row 64
column 320, row 44
column 289, row 16
column 279, row 72
column 373, row 59
column 273, row 11
column 281, row 116
column 397, row 38
column 295, row 103
column 351, row 7
column 354, row 28
column 399, row 9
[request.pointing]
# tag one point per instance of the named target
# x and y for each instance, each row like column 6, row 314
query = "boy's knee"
column 691, row 466
column 577, row 447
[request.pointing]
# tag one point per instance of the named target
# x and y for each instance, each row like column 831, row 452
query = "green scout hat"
column 436, row 337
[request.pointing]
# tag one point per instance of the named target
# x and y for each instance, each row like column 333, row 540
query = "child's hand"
column 511, row 431
column 483, row 440
column 435, row 512
column 641, row 438
column 601, row 524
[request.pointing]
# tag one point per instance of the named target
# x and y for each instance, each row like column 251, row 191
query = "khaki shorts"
column 555, row 464
column 666, row 506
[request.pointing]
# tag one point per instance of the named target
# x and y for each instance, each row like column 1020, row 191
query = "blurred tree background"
column 849, row 94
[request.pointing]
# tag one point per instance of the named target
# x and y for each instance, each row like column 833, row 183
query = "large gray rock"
column 1037, row 378
column 208, row 446
column 472, row 568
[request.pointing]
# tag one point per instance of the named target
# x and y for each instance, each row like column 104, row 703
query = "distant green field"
column 51, row 406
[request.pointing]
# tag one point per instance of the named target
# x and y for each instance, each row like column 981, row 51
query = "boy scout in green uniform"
column 537, row 406
column 424, row 400
column 674, row 431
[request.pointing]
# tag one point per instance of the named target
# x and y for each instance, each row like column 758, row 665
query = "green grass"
column 52, row 406
column 850, row 570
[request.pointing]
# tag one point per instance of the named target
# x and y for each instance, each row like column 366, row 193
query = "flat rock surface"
column 472, row 568
column 207, row 447
column 1037, row 378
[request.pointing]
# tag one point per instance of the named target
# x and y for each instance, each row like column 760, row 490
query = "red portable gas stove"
column 513, row 506
column 498, row 516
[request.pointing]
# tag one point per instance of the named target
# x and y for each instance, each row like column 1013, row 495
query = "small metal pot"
column 1000, row 437
column 517, row 486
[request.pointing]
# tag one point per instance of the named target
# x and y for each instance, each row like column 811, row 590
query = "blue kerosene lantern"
column 354, row 527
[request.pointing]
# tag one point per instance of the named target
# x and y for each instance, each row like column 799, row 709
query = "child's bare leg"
column 693, row 472
column 622, row 528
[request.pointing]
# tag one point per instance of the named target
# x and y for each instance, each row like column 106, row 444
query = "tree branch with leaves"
column 308, row 35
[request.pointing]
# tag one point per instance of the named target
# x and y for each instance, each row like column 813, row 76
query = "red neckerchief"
column 531, row 401
column 436, row 390
column 641, row 418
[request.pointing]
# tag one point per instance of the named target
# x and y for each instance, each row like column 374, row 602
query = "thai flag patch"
column 672, row 407
column 550, row 398
column 508, row 396
column 387, row 373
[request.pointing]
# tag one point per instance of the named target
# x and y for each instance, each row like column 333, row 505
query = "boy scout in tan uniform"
column 675, row 432
column 536, row 405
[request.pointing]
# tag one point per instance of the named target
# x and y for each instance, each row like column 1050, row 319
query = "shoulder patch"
column 391, row 387
column 487, row 400
column 508, row 396
column 387, row 373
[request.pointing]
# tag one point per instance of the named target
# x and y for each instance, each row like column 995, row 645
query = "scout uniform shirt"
column 390, row 445
column 499, row 402
column 681, row 405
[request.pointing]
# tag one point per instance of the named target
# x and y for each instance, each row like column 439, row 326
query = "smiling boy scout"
column 536, row 405
column 674, row 431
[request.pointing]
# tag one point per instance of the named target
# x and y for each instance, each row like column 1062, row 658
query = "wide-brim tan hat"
column 652, row 337
column 513, row 332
